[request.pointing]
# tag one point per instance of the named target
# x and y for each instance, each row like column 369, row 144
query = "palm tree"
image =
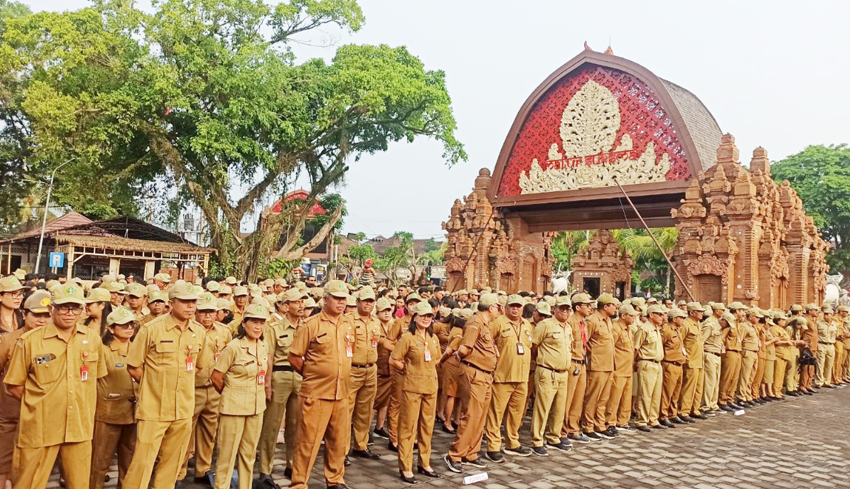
column 566, row 244
column 642, row 249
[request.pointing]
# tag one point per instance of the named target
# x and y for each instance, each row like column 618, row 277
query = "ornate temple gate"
column 600, row 120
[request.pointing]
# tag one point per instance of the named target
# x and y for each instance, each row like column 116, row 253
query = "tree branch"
column 320, row 236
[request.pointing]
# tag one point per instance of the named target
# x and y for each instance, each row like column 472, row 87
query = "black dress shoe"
column 287, row 472
column 381, row 432
column 701, row 416
column 409, row 480
column 676, row 420
column 433, row 474
column 347, row 461
column 391, row 447
column 645, row 429
column 666, row 423
column 338, row 486
column 687, row 419
column 365, row 454
column 207, row 481
column 447, row 430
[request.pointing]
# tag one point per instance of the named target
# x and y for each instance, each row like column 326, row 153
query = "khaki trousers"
column 321, row 419
column 415, row 424
column 838, row 365
column 32, row 466
column 164, row 439
column 550, row 403
column 711, row 382
column 204, row 426
column 779, row 374
column 394, row 406
column 510, row 396
column 792, row 372
column 692, row 385
column 576, row 387
column 382, row 395
column 826, row 358
column 846, row 362
column 757, row 377
column 237, row 446
column 470, row 431
column 649, row 380
column 671, row 387
column 363, row 386
column 108, row 439
column 730, row 372
column 619, row 409
column 284, row 405
column 749, row 360
column 596, row 400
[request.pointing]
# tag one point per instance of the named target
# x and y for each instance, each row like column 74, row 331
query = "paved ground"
column 797, row 443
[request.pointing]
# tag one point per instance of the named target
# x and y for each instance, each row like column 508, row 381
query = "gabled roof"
column 67, row 221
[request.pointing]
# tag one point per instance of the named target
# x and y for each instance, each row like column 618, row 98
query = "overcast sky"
column 774, row 74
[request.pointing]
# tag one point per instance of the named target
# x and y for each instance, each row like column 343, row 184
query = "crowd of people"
column 210, row 376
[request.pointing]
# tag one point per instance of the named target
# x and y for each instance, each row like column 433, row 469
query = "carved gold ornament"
column 589, row 127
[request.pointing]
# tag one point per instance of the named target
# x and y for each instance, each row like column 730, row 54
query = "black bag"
column 807, row 357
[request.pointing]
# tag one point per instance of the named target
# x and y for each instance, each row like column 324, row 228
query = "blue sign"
column 57, row 259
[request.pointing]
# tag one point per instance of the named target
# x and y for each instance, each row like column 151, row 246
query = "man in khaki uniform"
column 552, row 342
column 164, row 358
column 692, row 373
column 712, row 351
column 136, row 295
column 241, row 299
column 674, row 358
column 619, row 409
column 284, row 386
column 384, row 311
column 838, row 364
column 844, row 312
column 649, row 351
column 577, row 376
column 478, row 357
column 749, row 358
column 321, row 353
column 810, row 335
column 54, row 372
column 512, row 335
column 827, row 331
column 363, row 382
column 156, row 306
column 600, row 367
column 730, row 368
column 207, row 398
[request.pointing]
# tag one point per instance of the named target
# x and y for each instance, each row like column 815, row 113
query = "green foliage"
column 278, row 268
column 821, row 176
column 566, row 245
column 651, row 270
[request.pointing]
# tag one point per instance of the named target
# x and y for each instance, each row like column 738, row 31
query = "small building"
column 91, row 249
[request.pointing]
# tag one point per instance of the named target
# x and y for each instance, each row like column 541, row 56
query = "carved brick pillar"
column 745, row 229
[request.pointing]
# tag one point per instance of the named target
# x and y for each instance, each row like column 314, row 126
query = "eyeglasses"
column 70, row 308
column 16, row 294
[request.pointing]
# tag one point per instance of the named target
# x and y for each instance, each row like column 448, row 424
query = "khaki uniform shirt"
column 442, row 329
column 420, row 372
column 167, row 385
column 579, row 348
column 116, row 392
column 732, row 338
column 693, row 342
column 600, row 343
column 245, row 376
column 146, row 319
column 674, row 349
column 58, row 406
column 384, row 343
column 280, row 336
column 476, row 335
column 648, row 342
column 217, row 338
column 512, row 365
column 781, row 334
column 554, row 341
column 769, row 350
column 712, row 335
column 846, row 323
column 324, row 342
column 367, row 334
column 827, row 331
column 810, row 334
column 10, row 406
column 624, row 349
column 749, row 336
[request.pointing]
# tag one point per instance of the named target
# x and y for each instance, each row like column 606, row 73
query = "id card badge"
column 427, row 355
column 190, row 364
column 349, row 350
column 217, row 354
column 84, row 373
column 374, row 342
column 261, row 377
column 520, row 350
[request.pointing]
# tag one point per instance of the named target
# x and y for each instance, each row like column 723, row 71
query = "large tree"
column 821, row 176
column 204, row 99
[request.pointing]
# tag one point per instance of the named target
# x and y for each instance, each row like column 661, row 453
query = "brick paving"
column 797, row 443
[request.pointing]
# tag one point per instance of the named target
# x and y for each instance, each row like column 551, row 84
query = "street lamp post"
column 46, row 207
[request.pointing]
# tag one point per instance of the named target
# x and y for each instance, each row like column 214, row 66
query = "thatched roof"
column 127, row 244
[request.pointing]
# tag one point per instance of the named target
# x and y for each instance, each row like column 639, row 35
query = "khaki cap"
column 184, row 292
column 812, row 306
column 843, row 309
column 336, row 288
column 280, row 282
column 257, row 311
column 755, row 311
column 207, row 302
column 293, row 294
column 488, row 300
column 20, row 274
column 382, row 305
column 708, row 310
column 677, row 313
column 627, row 309
column 121, row 315
column 413, row 296
column 38, row 302
column 738, row 306
column 695, row 306
column 474, row 292
column 366, row 294
column 151, row 287
column 272, row 299
column 465, row 314
column 225, row 290
column 581, row 298
column 655, row 309
column 301, row 285
column 502, row 300
column 422, row 308
column 444, row 311
column 717, row 306
column 269, row 282
column 240, row 291
column 112, row 286
column 515, row 300
column 728, row 317
column 99, row 294
column 164, row 277
column 550, row 299
column 68, row 294
column 51, row 283
column 156, row 295
column 213, row 286
column 777, row 315
column 563, row 300
column 462, row 292
column 606, row 298
column 796, row 308
column 652, row 300
column 230, row 281
column 136, row 290
column 10, row 284
column 261, row 301
column 544, row 309
column 222, row 304
column 802, row 321
column 827, row 310
column 309, row 303
column 350, row 301
column 316, row 291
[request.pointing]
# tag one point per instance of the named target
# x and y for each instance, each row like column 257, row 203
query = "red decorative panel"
column 300, row 195
column 642, row 118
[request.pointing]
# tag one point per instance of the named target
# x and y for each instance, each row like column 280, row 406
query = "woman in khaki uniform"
column 114, row 420
column 451, row 369
column 417, row 355
column 384, row 313
column 240, row 377
column 98, row 309
column 11, row 297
